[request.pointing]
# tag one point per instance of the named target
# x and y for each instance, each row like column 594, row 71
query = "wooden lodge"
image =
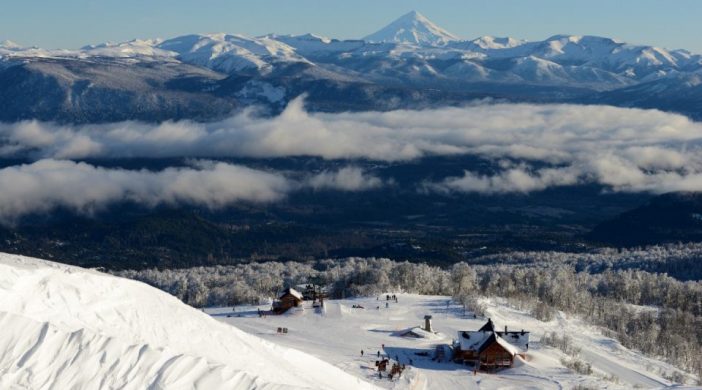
column 289, row 299
column 488, row 349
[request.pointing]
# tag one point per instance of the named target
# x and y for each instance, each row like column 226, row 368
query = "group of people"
column 396, row 369
column 389, row 297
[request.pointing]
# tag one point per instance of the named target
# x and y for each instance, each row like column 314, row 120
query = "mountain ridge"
column 411, row 63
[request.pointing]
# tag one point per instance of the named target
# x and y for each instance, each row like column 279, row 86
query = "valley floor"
column 339, row 333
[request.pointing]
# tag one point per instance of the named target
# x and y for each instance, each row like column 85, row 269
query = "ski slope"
column 64, row 327
column 338, row 335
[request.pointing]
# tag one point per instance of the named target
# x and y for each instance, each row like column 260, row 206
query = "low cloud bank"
column 613, row 172
column 48, row 184
column 346, row 179
column 555, row 145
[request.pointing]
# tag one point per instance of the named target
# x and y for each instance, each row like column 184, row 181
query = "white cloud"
column 626, row 149
column 346, row 179
column 519, row 180
column 48, row 184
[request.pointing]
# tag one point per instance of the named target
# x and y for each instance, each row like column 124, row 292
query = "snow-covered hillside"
column 63, row 327
column 340, row 333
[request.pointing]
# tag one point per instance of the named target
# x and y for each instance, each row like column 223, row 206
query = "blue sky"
column 73, row 23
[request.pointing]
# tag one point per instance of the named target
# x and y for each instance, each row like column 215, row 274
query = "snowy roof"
column 472, row 340
column 417, row 331
column 509, row 347
column 292, row 292
column 479, row 340
column 519, row 339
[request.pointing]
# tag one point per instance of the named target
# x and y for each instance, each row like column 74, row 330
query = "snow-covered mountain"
column 415, row 28
column 68, row 328
column 231, row 53
column 411, row 63
column 133, row 48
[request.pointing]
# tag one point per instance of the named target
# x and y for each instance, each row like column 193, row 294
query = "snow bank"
column 66, row 327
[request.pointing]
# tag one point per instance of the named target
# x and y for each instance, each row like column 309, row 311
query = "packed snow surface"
column 338, row 333
column 63, row 327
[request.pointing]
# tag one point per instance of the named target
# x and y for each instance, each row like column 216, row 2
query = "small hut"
column 289, row 299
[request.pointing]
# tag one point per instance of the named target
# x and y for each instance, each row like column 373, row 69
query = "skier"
column 378, row 353
column 361, row 352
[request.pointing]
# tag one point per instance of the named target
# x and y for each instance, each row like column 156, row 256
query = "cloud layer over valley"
column 533, row 147
column 83, row 188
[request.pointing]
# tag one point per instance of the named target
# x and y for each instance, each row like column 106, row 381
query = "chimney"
column 427, row 323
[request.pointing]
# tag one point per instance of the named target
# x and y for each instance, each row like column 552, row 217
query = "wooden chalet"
column 487, row 348
column 289, row 299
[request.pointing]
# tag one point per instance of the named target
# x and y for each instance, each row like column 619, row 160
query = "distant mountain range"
column 411, row 63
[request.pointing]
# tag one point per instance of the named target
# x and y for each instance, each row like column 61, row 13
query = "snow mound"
column 65, row 327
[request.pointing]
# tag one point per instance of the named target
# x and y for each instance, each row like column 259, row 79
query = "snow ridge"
column 65, row 327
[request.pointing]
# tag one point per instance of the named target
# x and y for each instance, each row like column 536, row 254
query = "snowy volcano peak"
column 414, row 28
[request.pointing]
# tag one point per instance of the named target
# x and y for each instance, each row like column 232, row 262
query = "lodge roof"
column 478, row 341
column 519, row 339
column 293, row 292
column 513, row 341
column 472, row 340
